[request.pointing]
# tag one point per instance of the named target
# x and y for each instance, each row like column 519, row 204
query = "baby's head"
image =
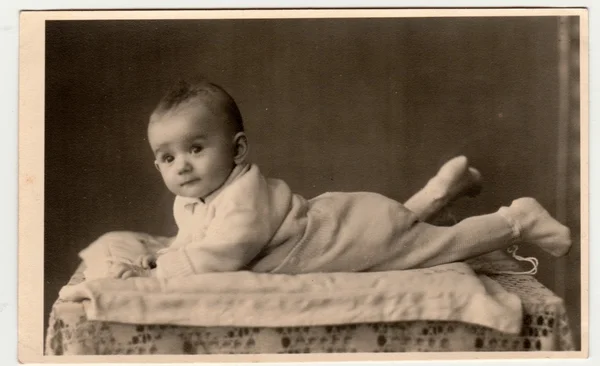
column 197, row 136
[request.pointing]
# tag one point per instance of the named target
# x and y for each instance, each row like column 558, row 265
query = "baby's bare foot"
column 455, row 179
column 536, row 226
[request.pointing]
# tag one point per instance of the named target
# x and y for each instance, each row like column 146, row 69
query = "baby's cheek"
column 167, row 177
column 170, row 181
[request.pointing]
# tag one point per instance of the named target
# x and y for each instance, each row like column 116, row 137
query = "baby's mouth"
column 189, row 182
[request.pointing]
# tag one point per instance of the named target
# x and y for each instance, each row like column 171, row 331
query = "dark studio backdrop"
column 344, row 104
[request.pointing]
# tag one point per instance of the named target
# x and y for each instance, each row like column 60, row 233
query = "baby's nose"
column 184, row 166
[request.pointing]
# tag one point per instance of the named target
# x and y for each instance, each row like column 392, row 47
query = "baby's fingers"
column 127, row 274
column 139, row 261
column 119, row 271
column 146, row 262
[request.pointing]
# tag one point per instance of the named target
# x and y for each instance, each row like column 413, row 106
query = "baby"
column 231, row 217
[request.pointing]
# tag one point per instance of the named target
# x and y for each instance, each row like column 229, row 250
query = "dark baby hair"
column 214, row 97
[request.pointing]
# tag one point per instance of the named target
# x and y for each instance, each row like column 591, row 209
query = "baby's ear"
column 240, row 142
column 156, row 165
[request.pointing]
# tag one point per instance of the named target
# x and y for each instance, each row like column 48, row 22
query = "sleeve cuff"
column 173, row 264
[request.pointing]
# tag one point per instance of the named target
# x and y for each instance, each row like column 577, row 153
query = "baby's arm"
column 235, row 237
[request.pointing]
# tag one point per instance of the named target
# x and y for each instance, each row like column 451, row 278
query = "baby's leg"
column 525, row 220
column 454, row 179
column 534, row 225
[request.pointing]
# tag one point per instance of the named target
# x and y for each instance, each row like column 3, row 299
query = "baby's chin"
column 190, row 193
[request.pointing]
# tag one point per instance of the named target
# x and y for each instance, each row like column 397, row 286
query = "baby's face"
column 194, row 151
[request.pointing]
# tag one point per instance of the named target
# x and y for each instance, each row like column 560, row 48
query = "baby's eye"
column 167, row 158
column 196, row 149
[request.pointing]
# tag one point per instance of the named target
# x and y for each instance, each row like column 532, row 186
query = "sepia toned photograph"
column 303, row 185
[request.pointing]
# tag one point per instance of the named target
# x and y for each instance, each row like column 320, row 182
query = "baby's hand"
column 126, row 270
column 146, row 261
